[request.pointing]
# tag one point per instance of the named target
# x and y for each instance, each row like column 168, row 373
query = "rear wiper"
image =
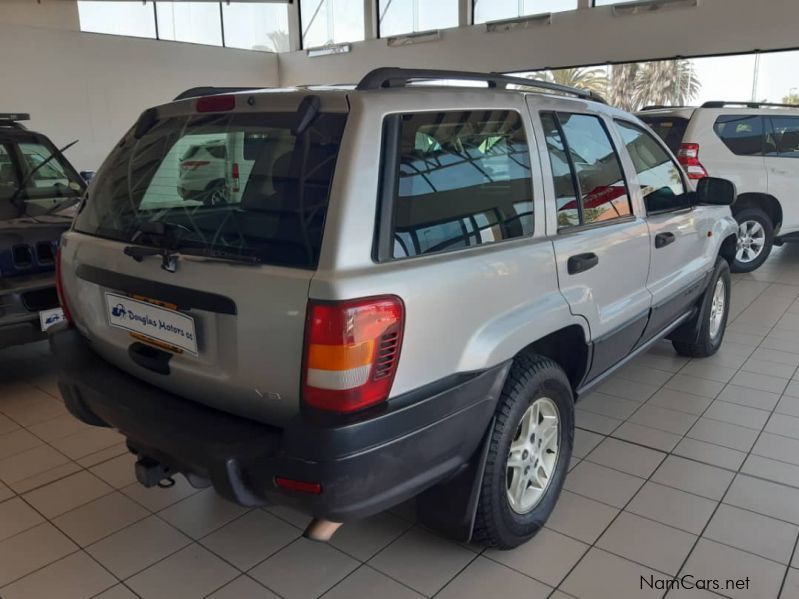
column 169, row 256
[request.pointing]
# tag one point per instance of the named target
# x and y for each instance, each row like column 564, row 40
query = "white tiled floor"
column 680, row 467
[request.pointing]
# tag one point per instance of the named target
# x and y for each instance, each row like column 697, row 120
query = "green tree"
column 590, row 79
column 621, row 89
column 792, row 98
column 666, row 83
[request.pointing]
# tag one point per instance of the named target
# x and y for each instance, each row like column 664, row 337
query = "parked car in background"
column 406, row 297
column 754, row 145
column 38, row 187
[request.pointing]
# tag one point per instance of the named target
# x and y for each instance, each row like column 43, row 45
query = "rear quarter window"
column 462, row 180
column 742, row 134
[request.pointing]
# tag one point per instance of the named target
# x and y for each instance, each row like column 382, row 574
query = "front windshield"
column 35, row 179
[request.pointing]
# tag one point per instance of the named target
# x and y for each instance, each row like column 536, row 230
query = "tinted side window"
column 743, row 135
column 660, row 179
column 567, row 206
column 602, row 191
column 464, row 180
column 786, row 135
column 8, row 174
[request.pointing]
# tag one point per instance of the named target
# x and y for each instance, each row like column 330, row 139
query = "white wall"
column 581, row 37
column 92, row 87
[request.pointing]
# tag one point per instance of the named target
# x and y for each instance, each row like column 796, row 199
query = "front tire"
column 755, row 240
column 713, row 318
column 528, row 456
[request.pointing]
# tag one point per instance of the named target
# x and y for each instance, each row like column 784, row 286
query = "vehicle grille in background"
column 22, row 255
column 45, row 252
column 386, row 355
column 40, row 299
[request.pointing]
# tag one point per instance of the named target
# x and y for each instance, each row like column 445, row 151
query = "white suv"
column 756, row 146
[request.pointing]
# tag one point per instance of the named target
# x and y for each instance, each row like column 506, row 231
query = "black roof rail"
column 12, row 119
column 387, row 77
column 197, row 92
column 660, row 107
column 724, row 103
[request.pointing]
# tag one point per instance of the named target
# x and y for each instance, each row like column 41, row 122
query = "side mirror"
column 713, row 191
column 87, row 176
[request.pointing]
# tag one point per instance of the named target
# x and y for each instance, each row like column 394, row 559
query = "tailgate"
column 249, row 322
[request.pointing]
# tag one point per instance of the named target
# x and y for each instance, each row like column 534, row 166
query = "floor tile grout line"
column 788, row 569
column 652, row 474
column 735, row 477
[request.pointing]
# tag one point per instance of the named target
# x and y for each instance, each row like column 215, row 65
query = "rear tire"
column 755, row 240
column 535, row 421
column 713, row 317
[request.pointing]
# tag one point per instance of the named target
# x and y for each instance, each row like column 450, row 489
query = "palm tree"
column 622, row 85
column 666, row 83
column 591, row 79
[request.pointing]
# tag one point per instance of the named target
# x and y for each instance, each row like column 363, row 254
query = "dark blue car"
column 39, row 191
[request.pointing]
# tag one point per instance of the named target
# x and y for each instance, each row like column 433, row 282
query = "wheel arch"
column 568, row 348
column 728, row 248
column 764, row 201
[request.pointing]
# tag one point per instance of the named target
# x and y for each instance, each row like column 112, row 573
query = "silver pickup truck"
column 400, row 291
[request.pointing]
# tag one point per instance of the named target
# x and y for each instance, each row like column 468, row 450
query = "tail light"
column 235, row 176
column 59, row 287
column 688, row 155
column 352, row 350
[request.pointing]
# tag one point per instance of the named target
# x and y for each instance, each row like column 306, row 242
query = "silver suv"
column 404, row 296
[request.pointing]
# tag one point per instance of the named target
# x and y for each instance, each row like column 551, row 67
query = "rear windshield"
column 240, row 185
column 670, row 129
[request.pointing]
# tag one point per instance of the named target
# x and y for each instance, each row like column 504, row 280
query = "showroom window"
column 463, row 180
column 134, row 19
column 596, row 174
column 398, row 17
column 326, row 22
column 196, row 22
column 497, row 10
column 256, row 26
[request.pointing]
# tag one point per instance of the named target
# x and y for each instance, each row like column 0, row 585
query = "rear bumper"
column 365, row 464
column 21, row 299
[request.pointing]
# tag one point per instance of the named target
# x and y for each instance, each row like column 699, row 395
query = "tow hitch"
column 151, row 473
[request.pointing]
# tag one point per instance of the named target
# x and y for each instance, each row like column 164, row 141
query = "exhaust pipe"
column 321, row 530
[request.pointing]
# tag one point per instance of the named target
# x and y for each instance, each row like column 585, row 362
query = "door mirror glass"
column 87, row 175
column 715, row 192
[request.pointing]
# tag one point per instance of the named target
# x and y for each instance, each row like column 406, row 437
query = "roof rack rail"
column 197, row 92
column 723, row 103
column 12, row 119
column 387, row 77
column 660, row 107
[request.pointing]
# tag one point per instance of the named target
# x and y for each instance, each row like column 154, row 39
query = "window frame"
column 388, row 188
column 658, row 140
column 575, row 179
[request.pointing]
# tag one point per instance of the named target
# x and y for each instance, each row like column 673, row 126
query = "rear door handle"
column 582, row 262
column 664, row 239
